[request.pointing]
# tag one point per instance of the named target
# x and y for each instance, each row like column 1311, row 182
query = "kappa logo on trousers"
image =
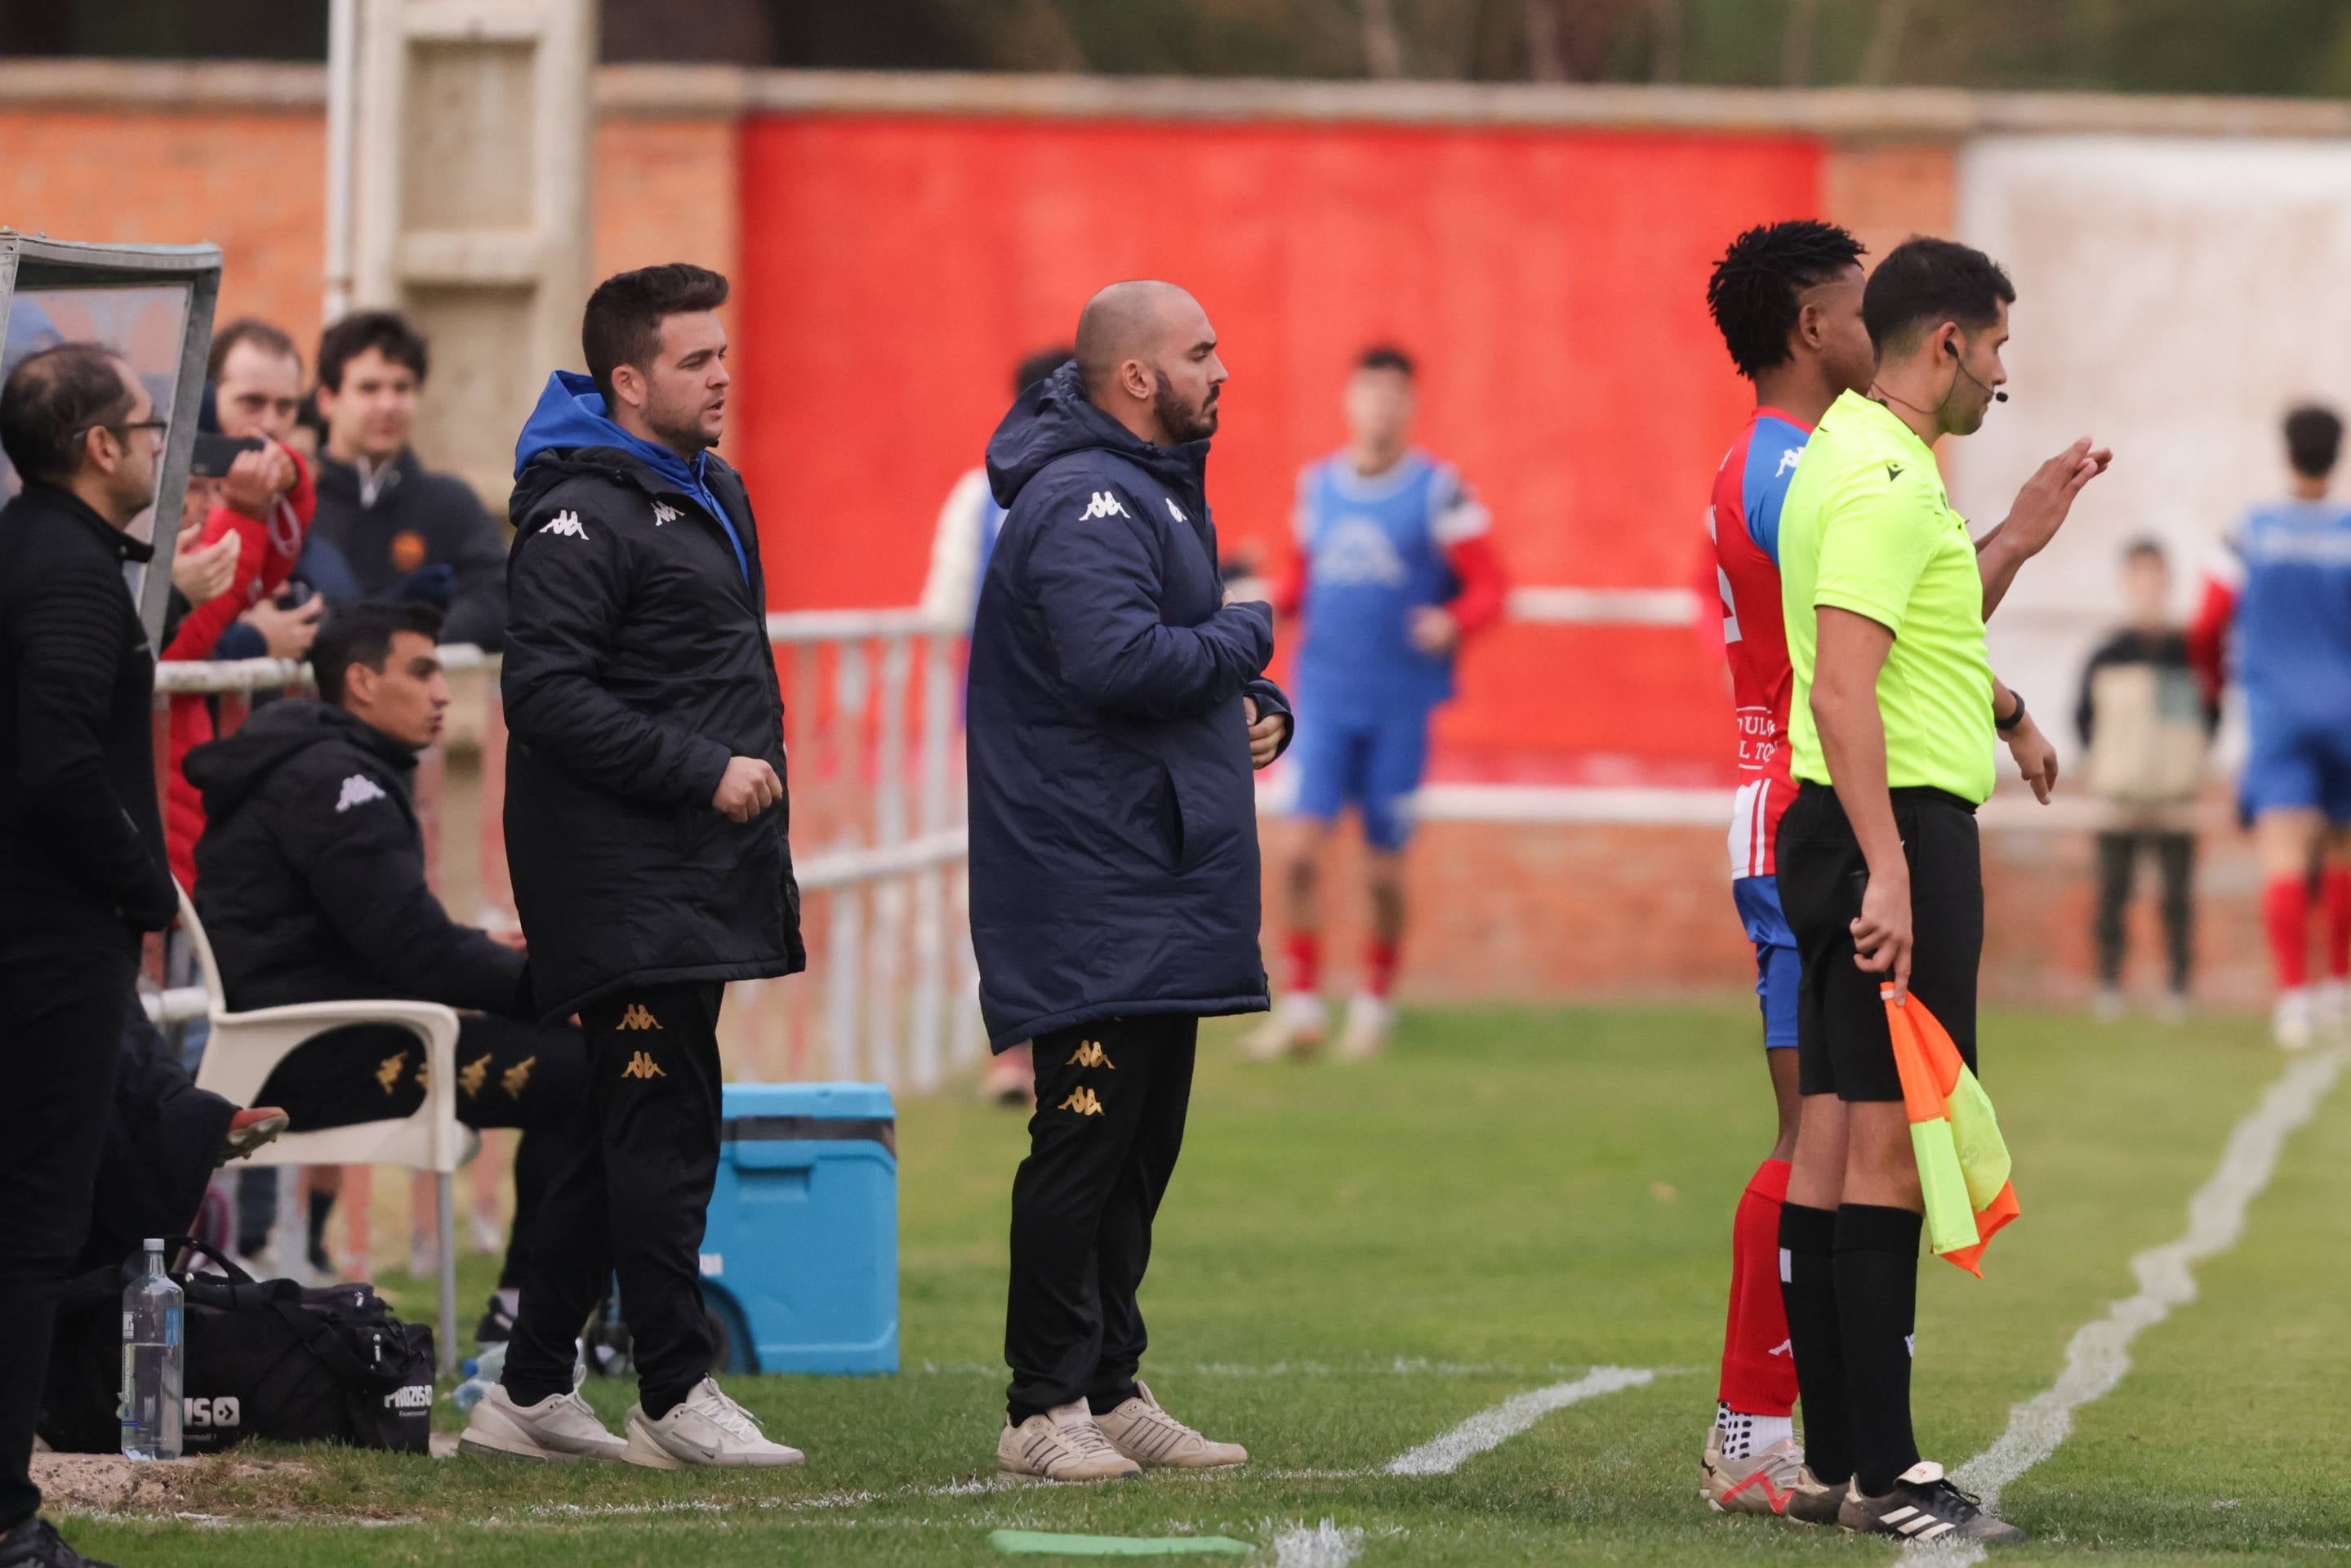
column 1089, row 1053
column 1083, row 1101
column 642, row 1065
column 636, row 1017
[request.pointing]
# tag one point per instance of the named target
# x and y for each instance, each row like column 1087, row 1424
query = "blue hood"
column 570, row 415
column 1054, row 419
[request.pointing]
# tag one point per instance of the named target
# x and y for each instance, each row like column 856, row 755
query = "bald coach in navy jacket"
column 1117, row 708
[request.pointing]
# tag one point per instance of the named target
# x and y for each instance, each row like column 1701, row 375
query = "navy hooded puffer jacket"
column 1114, row 818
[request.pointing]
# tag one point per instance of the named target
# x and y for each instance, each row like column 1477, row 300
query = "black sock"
column 322, row 1209
column 1807, row 1290
column 1877, row 1308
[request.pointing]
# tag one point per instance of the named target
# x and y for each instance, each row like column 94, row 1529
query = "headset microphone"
column 1960, row 365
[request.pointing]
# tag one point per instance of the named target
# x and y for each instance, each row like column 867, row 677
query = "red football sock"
column 2334, row 897
column 1759, row 1366
column 1379, row 969
column 2285, row 913
column 1303, row 949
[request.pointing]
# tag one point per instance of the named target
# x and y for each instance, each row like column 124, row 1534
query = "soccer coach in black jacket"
column 646, row 824
column 1117, row 707
column 82, row 843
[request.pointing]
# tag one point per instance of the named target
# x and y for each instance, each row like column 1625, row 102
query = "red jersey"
column 1743, row 520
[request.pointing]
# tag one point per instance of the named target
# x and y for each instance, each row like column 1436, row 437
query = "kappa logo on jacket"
column 1175, row 511
column 568, row 525
column 515, row 1078
column 664, row 513
column 471, row 1076
column 1104, row 505
column 358, row 790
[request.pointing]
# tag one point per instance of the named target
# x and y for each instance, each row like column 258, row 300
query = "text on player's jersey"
column 2290, row 565
column 1374, row 551
column 1743, row 520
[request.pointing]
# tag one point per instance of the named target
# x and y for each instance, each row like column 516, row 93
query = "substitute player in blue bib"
column 1393, row 566
column 2281, row 603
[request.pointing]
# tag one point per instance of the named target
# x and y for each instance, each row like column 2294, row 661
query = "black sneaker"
column 1812, row 1502
column 36, row 1544
column 1924, row 1506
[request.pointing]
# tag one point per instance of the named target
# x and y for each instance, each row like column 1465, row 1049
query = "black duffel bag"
column 262, row 1358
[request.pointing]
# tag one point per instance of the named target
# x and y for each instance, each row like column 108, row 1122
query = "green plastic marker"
column 1044, row 1543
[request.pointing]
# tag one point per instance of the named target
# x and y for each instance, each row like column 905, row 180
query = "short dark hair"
column 1752, row 294
column 621, row 325
column 1036, row 367
column 2146, row 546
column 1924, row 282
column 362, row 635
column 2314, row 439
column 56, row 397
column 386, row 331
column 1385, row 357
column 252, row 330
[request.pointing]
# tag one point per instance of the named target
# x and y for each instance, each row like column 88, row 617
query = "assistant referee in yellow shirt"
column 1894, row 718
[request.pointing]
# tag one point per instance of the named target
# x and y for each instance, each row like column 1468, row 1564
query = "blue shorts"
column 1374, row 767
column 1776, row 967
column 2296, row 764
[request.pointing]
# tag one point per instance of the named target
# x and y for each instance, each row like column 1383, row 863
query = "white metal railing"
column 873, row 702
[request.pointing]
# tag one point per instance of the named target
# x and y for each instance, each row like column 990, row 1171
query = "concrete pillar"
column 470, row 206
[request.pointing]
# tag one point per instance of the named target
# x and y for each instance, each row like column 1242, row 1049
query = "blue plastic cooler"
column 799, row 1259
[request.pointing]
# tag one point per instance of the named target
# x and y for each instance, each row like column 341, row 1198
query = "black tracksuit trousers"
column 509, row 1075
column 1111, row 1099
column 64, row 989
column 631, row 1195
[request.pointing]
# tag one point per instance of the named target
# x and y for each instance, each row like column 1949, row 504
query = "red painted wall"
column 893, row 269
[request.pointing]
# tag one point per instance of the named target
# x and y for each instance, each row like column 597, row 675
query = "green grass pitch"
column 1354, row 1260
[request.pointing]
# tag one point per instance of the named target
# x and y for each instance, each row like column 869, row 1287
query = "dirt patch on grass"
column 109, row 1483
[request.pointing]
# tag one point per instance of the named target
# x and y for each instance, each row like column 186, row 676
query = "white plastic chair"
column 245, row 1047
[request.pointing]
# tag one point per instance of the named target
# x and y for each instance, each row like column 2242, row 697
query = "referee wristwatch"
column 2016, row 716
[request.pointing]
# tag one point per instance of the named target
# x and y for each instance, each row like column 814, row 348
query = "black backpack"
column 261, row 1359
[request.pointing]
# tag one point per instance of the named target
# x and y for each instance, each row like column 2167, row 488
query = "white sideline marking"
column 1326, row 1545
column 1491, row 1428
column 2099, row 1355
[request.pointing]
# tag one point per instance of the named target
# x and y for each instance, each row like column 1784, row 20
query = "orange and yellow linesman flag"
column 1963, row 1166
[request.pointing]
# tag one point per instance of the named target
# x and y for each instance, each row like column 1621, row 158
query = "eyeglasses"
column 157, row 425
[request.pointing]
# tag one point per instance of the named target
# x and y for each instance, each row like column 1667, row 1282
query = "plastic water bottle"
column 468, row 1394
column 492, row 1361
column 152, row 1313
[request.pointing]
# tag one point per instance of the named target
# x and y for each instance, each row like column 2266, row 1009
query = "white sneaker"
column 2292, row 1021
column 2331, row 1008
column 2172, row 1009
column 2108, row 1006
column 1370, row 1022
column 706, row 1428
column 1294, row 1029
column 1146, row 1434
column 560, row 1428
column 1065, row 1444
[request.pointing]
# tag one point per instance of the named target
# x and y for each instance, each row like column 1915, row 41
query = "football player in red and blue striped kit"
column 1787, row 297
column 1393, row 566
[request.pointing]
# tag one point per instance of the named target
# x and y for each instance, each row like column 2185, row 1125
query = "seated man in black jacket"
column 311, row 884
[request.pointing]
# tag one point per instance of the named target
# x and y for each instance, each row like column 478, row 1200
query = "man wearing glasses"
column 82, row 871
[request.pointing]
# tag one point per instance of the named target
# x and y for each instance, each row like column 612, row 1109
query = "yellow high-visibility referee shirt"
column 1866, row 527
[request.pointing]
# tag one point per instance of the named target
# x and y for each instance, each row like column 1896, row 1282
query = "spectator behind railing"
column 311, row 885
column 265, row 503
column 82, row 869
column 407, row 533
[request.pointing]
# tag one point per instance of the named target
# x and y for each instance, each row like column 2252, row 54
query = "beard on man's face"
column 1181, row 420
column 680, row 429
